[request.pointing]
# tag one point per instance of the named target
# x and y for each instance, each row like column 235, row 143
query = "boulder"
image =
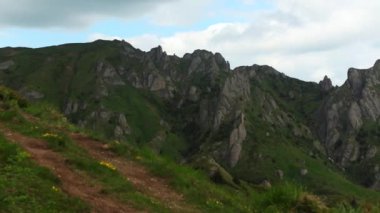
column 303, row 172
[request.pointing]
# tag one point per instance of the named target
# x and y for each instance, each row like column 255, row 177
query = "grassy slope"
column 113, row 183
column 143, row 114
column 68, row 71
column 195, row 185
column 270, row 148
column 24, row 186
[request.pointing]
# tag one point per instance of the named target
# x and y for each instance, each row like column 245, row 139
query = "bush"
column 282, row 197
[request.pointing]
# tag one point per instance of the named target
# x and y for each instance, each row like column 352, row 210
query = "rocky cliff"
column 253, row 120
column 346, row 113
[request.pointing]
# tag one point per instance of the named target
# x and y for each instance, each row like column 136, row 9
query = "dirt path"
column 143, row 180
column 73, row 183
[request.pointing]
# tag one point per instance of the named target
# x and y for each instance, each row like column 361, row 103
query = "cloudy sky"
column 306, row 39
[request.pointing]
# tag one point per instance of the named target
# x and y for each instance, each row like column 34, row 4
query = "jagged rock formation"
column 326, row 84
column 346, row 111
column 195, row 106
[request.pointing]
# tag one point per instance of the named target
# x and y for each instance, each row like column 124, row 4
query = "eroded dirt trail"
column 72, row 182
column 142, row 179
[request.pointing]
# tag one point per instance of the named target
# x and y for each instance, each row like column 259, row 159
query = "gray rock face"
column 280, row 174
column 237, row 136
column 193, row 94
column 31, row 95
column 201, row 91
column 71, row 107
column 6, row 64
column 235, row 93
column 103, row 118
column 118, row 132
column 356, row 81
column 156, row 83
column 344, row 113
column 266, row 184
column 109, row 74
column 123, row 125
column 326, row 84
column 303, row 172
column 371, row 152
column 355, row 116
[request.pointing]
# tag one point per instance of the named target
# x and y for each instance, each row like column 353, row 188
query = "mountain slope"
column 251, row 124
column 76, row 173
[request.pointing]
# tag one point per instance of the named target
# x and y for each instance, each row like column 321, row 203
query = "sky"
column 305, row 39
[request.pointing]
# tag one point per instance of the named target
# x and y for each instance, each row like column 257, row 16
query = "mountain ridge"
column 196, row 107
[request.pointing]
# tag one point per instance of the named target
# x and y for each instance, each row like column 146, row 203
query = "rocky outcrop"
column 194, row 94
column 234, row 94
column 103, row 118
column 326, row 84
column 344, row 113
column 217, row 110
column 6, row 64
column 280, row 174
column 304, row 172
column 237, row 136
column 122, row 127
column 31, row 95
column 71, row 107
column 109, row 74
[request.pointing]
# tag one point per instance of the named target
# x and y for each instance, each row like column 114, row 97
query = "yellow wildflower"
column 46, row 135
column 108, row 165
column 50, row 135
column 23, row 154
column 54, row 188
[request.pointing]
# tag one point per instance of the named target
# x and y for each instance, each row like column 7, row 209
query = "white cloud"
column 71, row 13
column 180, row 12
column 76, row 14
column 304, row 39
column 145, row 42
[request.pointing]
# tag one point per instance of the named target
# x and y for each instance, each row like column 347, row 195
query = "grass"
column 270, row 147
column 208, row 196
column 68, row 71
column 265, row 153
column 141, row 115
column 113, row 183
column 294, row 96
column 26, row 187
column 195, row 185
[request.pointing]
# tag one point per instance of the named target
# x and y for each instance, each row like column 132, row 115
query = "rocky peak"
column 205, row 54
column 128, row 49
column 212, row 60
column 157, row 52
column 346, row 110
column 356, row 81
column 265, row 70
column 377, row 64
column 326, row 84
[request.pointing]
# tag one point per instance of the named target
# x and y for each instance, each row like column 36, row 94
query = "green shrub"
column 282, row 197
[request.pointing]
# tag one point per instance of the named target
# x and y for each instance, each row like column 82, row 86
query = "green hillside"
column 221, row 140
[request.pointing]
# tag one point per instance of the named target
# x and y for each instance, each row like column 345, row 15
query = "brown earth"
column 141, row 178
column 72, row 182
